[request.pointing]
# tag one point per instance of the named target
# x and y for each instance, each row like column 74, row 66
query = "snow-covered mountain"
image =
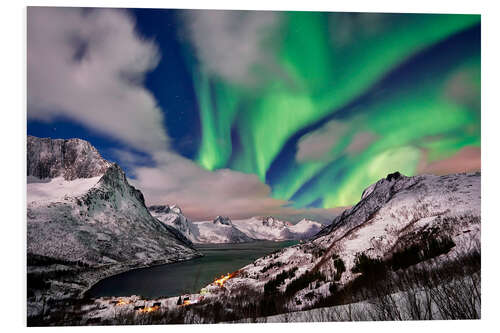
column 399, row 220
column 305, row 228
column 86, row 222
column 172, row 216
column 223, row 230
column 220, row 230
column 271, row 228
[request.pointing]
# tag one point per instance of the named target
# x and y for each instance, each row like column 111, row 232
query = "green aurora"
column 321, row 76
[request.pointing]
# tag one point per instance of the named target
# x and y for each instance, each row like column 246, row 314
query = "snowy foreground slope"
column 395, row 215
column 223, row 230
column 86, row 222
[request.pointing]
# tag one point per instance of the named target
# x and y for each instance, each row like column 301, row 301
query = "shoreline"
column 205, row 246
column 83, row 294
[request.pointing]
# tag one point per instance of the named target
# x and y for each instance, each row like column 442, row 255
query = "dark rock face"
column 272, row 222
column 174, row 209
column 72, row 159
column 159, row 208
column 112, row 186
column 223, row 220
column 396, row 175
column 178, row 234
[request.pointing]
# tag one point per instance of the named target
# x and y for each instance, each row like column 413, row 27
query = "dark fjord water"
column 189, row 276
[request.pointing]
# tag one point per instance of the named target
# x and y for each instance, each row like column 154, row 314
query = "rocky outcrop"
column 272, row 222
column 172, row 217
column 222, row 220
column 71, row 159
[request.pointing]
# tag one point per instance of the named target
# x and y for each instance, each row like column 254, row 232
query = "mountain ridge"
column 224, row 230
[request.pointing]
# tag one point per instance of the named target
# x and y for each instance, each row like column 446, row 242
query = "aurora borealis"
column 317, row 106
column 324, row 78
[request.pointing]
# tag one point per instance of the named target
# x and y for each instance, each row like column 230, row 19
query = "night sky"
column 254, row 113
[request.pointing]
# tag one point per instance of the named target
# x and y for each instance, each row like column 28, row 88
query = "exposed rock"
column 72, row 159
column 222, row 220
column 172, row 217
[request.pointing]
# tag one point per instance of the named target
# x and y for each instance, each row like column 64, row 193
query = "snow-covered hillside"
column 88, row 222
column 107, row 223
column 305, row 229
column 396, row 215
column 47, row 190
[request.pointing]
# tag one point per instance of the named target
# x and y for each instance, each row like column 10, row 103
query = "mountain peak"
column 69, row 158
column 114, row 184
column 225, row 220
column 165, row 209
column 380, row 193
column 271, row 221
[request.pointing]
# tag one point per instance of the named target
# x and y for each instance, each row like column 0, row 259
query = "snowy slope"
column 96, row 226
column 57, row 188
column 394, row 214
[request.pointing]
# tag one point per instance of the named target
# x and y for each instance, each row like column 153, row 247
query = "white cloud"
column 204, row 194
column 234, row 45
column 360, row 142
column 88, row 66
column 316, row 145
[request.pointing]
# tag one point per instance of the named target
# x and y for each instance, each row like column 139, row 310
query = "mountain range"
column 223, row 230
